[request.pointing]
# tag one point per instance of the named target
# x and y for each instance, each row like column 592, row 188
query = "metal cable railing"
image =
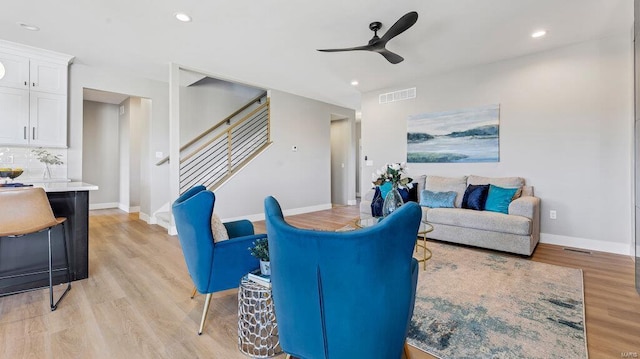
column 219, row 158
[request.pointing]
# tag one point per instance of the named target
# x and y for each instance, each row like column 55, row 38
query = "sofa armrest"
column 369, row 195
column 365, row 203
column 527, row 206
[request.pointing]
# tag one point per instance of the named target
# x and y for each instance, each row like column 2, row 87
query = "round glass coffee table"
column 425, row 227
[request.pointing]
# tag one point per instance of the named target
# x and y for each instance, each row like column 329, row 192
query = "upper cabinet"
column 16, row 71
column 33, row 96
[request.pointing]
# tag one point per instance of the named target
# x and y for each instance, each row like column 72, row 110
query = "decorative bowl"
column 10, row 173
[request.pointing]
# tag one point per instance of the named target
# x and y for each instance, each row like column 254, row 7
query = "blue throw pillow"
column 437, row 199
column 385, row 188
column 376, row 203
column 475, row 197
column 499, row 198
column 409, row 194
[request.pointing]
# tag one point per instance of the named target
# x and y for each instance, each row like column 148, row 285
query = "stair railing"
column 219, row 158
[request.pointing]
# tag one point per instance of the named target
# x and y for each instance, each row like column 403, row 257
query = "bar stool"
column 29, row 211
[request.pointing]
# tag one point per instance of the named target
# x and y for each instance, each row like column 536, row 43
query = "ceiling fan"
column 377, row 44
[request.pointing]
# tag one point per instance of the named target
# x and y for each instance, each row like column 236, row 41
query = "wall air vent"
column 399, row 95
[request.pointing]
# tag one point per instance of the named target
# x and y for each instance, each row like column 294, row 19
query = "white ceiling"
column 272, row 43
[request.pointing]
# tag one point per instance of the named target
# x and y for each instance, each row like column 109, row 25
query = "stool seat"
column 30, row 212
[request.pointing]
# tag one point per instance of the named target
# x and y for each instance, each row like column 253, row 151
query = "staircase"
column 216, row 155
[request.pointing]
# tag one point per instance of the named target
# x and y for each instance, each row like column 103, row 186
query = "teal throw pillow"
column 437, row 199
column 384, row 189
column 499, row 198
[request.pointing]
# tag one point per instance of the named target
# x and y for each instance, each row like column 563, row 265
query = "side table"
column 257, row 326
column 423, row 230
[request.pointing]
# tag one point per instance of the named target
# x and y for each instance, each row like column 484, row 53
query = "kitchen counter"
column 28, row 253
column 65, row 186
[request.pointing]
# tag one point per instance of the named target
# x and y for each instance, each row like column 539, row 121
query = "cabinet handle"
column 25, row 132
column 25, row 83
column 34, row 133
column 34, row 84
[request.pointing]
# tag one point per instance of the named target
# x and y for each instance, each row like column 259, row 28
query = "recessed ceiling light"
column 29, row 27
column 354, row 83
column 538, row 34
column 182, row 17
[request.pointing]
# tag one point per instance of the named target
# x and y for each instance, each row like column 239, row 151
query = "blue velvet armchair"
column 344, row 295
column 212, row 266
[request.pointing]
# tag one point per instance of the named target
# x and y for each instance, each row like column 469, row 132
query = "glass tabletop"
column 424, row 228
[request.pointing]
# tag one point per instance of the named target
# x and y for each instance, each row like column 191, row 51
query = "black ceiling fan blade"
column 402, row 25
column 357, row 48
column 391, row 57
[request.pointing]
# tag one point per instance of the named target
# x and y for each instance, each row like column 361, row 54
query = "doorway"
column 343, row 161
column 114, row 130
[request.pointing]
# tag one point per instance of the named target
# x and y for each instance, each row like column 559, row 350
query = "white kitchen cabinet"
column 14, row 120
column 16, row 71
column 33, row 96
column 48, row 77
column 47, row 119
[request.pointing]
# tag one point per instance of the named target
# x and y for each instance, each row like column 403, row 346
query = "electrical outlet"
column 553, row 214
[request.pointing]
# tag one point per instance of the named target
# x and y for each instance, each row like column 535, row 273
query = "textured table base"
column 257, row 326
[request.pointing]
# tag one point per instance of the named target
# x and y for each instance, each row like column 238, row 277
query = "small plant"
column 46, row 157
column 260, row 249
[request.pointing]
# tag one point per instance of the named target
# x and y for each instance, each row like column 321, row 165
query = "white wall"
column 100, row 152
column 300, row 180
column 208, row 102
column 155, row 180
column 340, row 141
column 124, row 149
column 565, row 126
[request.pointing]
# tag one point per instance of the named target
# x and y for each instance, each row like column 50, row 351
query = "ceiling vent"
column 399, row 95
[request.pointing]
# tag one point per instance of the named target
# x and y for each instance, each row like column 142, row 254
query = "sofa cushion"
column 437, row 199
column 475, row 197
column 499, row 198
column 512, row 182
column 483, row 220
column 505, row 182
column 409, row 194
column 385, row 188
column 445, row 184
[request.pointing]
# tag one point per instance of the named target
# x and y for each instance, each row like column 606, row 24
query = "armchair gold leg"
column 207, row 301
column 288, row 356
column 193, row 294
column 406, row 351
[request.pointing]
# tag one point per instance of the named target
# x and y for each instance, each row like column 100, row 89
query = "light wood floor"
column 136, row 303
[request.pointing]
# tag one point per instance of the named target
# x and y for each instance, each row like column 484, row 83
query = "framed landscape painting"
column 459, row 136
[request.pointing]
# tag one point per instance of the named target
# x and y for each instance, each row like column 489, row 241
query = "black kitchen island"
column 30, row 253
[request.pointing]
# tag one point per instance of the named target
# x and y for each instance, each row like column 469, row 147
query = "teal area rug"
column 482, row 304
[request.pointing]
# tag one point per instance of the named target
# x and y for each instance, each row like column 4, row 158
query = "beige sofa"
column 516, row 232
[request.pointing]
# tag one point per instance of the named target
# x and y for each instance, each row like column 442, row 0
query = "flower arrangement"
column 394, row 173
column 260, row 249
column 46, row 157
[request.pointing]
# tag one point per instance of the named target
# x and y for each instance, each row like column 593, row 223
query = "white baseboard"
column 106, row 205
column 286, row 212
column 590, row 244
column 145, row 217
column 129, row 209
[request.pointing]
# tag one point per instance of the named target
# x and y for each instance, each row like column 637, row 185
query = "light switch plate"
column 159, row 154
